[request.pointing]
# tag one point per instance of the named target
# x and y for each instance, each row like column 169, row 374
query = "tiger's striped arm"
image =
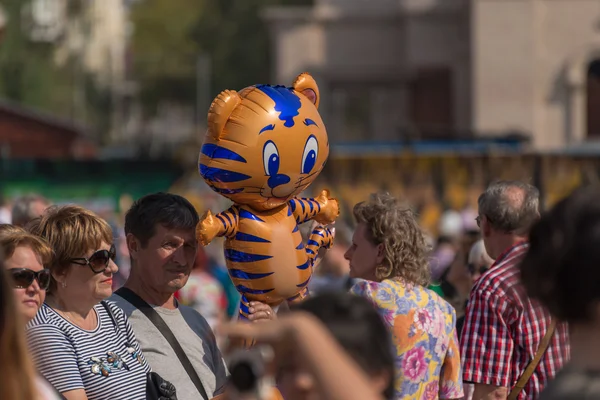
column 320, row 237
column 322, row 209
column 223, row 224
column 299, row 297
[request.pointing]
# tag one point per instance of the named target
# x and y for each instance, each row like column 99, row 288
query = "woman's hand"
column 303, row 339
column 261, row 312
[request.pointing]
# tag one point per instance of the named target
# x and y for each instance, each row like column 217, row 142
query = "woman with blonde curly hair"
column 390, row 254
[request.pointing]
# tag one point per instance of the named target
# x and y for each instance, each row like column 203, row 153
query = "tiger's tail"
column 320, row 237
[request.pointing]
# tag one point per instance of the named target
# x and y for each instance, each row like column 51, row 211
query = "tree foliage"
column 29, row 75
column 170, row 35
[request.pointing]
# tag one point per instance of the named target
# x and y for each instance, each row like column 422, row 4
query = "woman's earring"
column 63, row 284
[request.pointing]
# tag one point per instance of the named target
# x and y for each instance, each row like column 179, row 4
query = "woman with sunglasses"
column 81, row 343
column 26, row 256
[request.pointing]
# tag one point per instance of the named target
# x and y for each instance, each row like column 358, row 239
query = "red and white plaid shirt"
column 503, row 329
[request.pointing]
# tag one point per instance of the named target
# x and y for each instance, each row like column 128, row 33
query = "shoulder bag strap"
column 520, row 385
column 160, row 324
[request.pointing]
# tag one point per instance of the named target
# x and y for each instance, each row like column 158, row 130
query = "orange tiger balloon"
column 264, row 146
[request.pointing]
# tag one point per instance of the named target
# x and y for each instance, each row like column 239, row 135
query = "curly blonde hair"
column 393, row 224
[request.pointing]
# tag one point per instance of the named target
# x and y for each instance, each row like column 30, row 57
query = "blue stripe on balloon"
column 287, row 103
column 313, row 243
column 228, row 219
column 267, row 128
column 215, row 151
column 244, row 289
column 244, row 309
column 221, row 175
column 304, row 266
column 289, row 210
column 242, row 257
column 300, row 246
column 222, row 221
column 303, row 283
column 309, row 122
column 246, row 237
column 295, row 229
column 248, row 215
column 238, row 273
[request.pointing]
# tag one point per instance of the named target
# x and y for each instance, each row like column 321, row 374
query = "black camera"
column 248, row 372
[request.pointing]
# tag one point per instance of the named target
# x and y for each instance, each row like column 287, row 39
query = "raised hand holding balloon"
column 264, row 146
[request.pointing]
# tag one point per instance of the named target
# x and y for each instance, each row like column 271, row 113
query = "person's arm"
column 302, row 337
column 487, row 346
column 59, row 364
column 78, row 394
column 489, row 392
column 451, row 385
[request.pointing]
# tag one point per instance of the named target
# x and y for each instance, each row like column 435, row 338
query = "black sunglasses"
column 97, row 261
column 23, row 278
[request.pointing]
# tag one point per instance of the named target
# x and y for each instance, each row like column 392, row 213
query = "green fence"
column 83, row 181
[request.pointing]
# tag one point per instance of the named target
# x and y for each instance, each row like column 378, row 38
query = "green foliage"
column 29, row 75
column 170, row 35
column 26, row 71
column 164, row 51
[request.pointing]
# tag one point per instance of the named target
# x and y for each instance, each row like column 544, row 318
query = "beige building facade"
column 419, row 69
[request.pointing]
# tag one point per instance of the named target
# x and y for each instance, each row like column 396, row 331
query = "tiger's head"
column 265, row 144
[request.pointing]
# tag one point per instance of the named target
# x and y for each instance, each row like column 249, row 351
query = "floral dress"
column 423, row 326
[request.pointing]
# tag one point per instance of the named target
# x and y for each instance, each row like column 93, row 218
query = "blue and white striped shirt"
column 106, row 362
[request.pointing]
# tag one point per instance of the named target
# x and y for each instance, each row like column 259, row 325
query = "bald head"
column 510, row 206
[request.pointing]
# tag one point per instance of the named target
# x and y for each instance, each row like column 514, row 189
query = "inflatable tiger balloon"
column 263, row 147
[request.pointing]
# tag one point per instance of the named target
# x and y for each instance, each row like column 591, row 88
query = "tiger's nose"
column 277, row 180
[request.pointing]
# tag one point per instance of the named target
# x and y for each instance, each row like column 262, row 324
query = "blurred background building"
column 429, row 99
column 445, row 69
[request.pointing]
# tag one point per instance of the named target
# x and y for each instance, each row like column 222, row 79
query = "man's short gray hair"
column 510, row 206
column 22, row 210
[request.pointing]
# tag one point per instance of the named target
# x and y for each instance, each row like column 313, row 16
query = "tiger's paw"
column 207, row 229
column 330, row 208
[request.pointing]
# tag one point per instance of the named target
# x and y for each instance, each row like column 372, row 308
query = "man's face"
column 167, row 259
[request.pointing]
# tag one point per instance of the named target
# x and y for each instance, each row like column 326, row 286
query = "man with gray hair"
column 28, row 208
column 504, row 331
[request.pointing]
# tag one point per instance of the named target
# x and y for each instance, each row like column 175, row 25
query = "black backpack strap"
column 160, row 324
column 110, row 314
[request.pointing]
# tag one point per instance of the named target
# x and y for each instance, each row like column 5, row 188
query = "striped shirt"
column 504, row 327
column 106, row 362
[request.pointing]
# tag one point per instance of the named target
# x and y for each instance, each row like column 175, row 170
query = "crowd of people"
column 510, row 314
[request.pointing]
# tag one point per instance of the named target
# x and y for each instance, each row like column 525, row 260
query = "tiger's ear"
column 220, row 111
column 306, row 85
